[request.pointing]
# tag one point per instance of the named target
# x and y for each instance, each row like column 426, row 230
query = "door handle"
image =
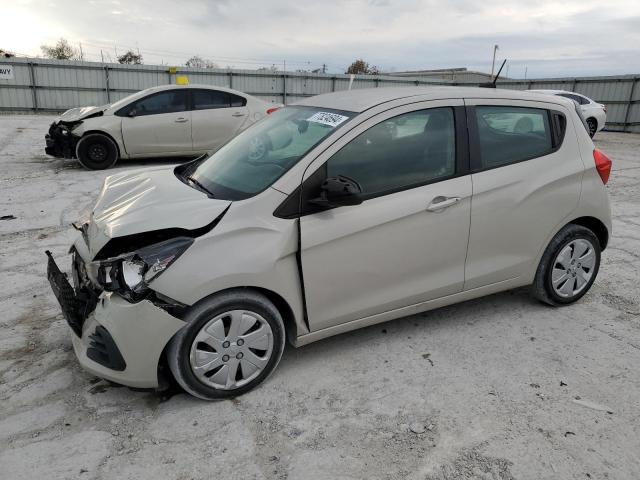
column 238, row 114
column 440, row 203
column 181, row 120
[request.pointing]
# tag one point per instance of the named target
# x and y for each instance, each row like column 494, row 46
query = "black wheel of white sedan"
column 592, row 125
column 230, row 344
column 96, row 151
column 568, row 267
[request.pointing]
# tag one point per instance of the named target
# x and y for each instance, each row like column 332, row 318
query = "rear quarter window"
column 512, row 134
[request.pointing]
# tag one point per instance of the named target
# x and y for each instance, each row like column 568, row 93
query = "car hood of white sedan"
column 80, row 113
column 148, row 200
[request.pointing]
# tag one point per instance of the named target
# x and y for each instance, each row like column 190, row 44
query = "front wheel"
column 96, row 151
column 231, row 343
column 568, row 267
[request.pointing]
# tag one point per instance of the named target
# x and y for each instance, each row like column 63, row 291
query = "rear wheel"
column 96, row 151
column 230, row 344
column 568, row 267
column 592, row 125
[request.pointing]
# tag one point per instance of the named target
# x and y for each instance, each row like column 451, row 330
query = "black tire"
column 96, row 151
column 179, row 348
column 592, row 125
column 542, row 286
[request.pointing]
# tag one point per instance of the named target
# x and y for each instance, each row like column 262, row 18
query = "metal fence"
column 40, row 85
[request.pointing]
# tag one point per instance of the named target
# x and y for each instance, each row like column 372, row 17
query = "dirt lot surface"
column 497, row 388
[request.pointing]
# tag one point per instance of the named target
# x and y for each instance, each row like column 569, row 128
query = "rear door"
column 526, row 180
column 397, row 248
column 158, row 124
column 216, row 117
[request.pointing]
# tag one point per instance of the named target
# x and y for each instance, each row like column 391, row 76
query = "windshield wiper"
column 199, row 185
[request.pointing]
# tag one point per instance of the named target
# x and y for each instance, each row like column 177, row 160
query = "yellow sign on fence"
column 182, row 80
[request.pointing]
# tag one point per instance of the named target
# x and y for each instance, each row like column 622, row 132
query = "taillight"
column 272, row 109
column 603, row 165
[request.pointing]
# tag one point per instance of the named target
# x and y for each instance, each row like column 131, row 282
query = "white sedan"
column 594, row 113
column 165, row 121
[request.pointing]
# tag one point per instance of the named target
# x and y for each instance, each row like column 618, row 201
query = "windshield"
column 260, row 155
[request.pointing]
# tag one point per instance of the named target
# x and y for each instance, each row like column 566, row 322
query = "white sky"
column 549, row 38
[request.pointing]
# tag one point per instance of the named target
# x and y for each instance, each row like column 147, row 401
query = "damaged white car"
column 166, row 121
column 372, row 205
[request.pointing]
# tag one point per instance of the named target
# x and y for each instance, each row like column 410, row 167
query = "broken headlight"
column 131, row 273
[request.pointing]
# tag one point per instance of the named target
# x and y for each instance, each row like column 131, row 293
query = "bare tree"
column 272, row 68
column 130, row 58
column 62, row 50
column 359, row 66
column 198, row 62
column 6, row 53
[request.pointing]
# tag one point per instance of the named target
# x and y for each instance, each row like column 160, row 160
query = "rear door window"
column 512, row 134
column 205, row 99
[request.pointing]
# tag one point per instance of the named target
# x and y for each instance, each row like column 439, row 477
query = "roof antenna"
column 492, row 84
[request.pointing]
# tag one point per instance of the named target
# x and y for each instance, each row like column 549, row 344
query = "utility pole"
column 324, row 68
column 81, row 53
column 493, row 63
column 525, row 72
column 101, row 56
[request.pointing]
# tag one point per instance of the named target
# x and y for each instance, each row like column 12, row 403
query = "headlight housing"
column 130, row 274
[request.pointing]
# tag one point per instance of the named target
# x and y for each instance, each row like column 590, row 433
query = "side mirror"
column 132, row 113
column 339, row 191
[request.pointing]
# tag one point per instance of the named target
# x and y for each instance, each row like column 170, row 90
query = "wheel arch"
column 102, row 132
column 596, row 226
column 288, row 317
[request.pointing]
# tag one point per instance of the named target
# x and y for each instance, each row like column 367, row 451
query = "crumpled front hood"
column 76, row 114
column 148, row 200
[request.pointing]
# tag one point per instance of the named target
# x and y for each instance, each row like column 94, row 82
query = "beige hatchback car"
column 372, row 205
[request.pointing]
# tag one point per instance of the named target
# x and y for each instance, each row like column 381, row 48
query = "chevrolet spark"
column 369, row 205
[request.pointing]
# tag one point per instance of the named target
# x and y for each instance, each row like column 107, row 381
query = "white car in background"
column 165, row 121
column 594, row 113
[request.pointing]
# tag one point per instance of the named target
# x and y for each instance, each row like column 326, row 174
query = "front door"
column 406, row 243
column 158, row 124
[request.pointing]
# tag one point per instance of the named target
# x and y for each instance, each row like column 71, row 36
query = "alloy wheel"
column 231, row 349
column 573, row 268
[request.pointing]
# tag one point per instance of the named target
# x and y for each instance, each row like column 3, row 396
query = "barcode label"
column 326, row 118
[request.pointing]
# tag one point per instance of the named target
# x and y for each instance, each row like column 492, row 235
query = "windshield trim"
column 244, row 195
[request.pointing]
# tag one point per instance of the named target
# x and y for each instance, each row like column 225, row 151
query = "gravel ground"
column 497, row 388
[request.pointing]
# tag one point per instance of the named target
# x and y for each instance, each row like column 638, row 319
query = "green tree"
column 61, row 51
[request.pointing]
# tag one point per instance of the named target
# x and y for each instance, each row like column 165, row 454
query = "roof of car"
column 362, row 99
column 171, row 86
column 558, row 92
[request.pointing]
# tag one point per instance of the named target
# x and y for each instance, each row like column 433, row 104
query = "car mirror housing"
column 338, row 191
column 131, row 113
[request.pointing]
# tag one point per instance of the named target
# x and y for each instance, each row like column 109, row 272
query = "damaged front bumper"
column 113, row 338
column 60, row 141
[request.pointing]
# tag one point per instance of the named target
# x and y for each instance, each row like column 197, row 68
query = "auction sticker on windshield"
column 326, row 118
